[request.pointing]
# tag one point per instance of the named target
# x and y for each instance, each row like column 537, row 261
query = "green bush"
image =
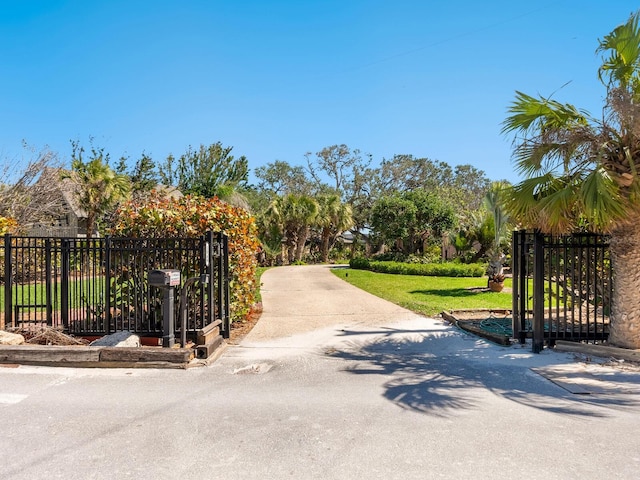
column 359, row 263
column 448, row 269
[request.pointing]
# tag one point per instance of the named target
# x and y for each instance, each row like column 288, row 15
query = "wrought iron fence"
column 561, row 287
column 93, row 287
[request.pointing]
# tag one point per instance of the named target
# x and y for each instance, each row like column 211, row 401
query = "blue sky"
column 277, row 79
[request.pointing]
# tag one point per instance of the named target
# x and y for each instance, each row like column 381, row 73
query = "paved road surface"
column 331, row 384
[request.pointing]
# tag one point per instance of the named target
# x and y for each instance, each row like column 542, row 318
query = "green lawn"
column 428, row 295
column 35, row 294
column 259, row 272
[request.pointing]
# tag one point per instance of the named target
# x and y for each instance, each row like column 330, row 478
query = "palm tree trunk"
column 326, row 239
column 625, row 304
column 303, row 234
column 91, row 221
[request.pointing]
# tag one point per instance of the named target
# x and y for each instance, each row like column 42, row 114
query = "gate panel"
column 562, row 287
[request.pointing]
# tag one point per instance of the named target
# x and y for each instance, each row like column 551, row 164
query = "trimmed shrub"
column 427, row 269
column 192, row 216
column 359, row 263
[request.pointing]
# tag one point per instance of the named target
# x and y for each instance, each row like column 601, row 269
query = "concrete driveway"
column 331, row 384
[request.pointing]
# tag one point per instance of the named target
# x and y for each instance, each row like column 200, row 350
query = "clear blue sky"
column 276, row 79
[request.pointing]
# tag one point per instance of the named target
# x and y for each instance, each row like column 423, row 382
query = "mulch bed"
column 240, row 329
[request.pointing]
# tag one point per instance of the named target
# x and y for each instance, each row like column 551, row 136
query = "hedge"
column 192, row 216
column 426, row 269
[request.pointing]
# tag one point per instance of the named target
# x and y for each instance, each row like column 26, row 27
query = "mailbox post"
column 166, row 279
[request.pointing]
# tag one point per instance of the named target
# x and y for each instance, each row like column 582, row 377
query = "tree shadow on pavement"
column 441, row 372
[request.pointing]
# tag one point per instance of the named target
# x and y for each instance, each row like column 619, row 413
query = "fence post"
column 538, row 292
column 107, row 285
column 225, row 262
column 48, row 282
column 209, row 270
column 516, row 261
column 64, row 282
column 8, row 283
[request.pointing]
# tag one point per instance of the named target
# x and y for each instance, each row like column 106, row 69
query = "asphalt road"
column 331, row 384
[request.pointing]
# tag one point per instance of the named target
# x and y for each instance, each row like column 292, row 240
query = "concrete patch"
column 256, row 368
column 11, row 398
column 591, row 379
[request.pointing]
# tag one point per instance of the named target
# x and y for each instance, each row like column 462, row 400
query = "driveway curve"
column 302, row 299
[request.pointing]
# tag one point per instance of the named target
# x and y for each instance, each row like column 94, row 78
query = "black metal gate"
column 93, row 287
column 561, row 287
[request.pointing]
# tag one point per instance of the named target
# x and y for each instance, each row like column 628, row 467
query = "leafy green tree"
column 582, row 172
column 208, row 171
column 391, row 219
column 406, row 172
column 412, row 219
column 143, row 175
column 463, row 186
column 99, row 188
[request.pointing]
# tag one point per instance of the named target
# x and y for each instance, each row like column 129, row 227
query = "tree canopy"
column 207, row 171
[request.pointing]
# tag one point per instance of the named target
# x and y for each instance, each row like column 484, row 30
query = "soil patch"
column 240, row 329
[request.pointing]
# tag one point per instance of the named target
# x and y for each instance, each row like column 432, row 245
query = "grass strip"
column 429, row 295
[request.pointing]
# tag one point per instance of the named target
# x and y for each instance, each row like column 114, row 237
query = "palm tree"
column 582, row 172
column 294, row 215
column 334, row 217
column 499, row 220
column 98, row 187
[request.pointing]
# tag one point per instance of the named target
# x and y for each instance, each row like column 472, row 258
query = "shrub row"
column 426, row 269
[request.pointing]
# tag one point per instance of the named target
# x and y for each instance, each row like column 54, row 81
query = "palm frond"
column 621, row 54
column 530, row 113
column 600, row 197
column 521, row 200
column 557, row 206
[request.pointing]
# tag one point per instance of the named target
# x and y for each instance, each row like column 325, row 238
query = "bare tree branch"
column 31, row 193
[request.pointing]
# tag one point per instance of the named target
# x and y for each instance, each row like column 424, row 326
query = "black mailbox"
column 167, row 279
column 164, row 278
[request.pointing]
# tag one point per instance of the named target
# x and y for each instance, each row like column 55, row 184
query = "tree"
column 280, row 178
column 293, row 215
column 339, row 164
column 209, row 171
column 494, row 205
column 463, row 186
column 412, row 219
column 31, row 194
column 581, row 172
column 143, row 175
column 98, row 187
column 334, row 217
column 405, row 172
column 391, row 218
